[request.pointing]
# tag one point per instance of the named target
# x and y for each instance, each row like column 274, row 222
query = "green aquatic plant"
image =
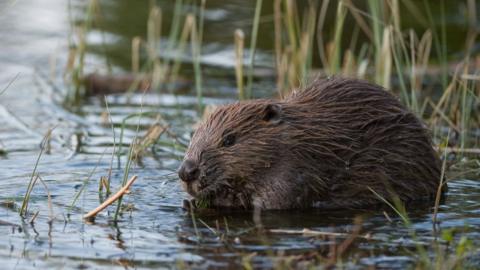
column 130, row 159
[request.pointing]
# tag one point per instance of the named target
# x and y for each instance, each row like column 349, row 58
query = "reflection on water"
column 156, row 232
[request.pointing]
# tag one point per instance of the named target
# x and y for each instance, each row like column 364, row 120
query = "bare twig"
column 112, row 199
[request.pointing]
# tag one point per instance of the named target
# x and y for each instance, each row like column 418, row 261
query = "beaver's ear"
column 272, row 113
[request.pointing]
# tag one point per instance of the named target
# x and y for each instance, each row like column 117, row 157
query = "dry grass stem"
column 443, row 116
column 359, row 19
column 34, row 217
column 136, row 41
column 239, row 46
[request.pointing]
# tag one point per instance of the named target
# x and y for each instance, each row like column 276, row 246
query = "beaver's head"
column 232, row 151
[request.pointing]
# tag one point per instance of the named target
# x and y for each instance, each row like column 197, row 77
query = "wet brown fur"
column 324, row 146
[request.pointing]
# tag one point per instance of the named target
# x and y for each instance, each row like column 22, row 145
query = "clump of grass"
column 293, row 44
column 24, row 209
column 158, row 72
column 161, row 72
column 76, row 59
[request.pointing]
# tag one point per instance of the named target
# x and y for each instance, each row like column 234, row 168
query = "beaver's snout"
column 188, row 171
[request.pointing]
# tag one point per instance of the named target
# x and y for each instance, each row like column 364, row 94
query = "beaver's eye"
column 228, row 140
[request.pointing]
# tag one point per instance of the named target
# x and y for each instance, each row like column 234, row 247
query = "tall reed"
column 253, row 45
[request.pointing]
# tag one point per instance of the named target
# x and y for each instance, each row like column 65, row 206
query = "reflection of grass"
column 9, row 84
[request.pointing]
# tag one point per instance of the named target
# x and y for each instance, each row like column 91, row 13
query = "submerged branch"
column 124, row 190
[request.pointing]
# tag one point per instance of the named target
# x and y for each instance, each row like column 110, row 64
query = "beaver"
column 338, row 143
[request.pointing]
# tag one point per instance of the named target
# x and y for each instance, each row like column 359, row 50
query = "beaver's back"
column 356, row 137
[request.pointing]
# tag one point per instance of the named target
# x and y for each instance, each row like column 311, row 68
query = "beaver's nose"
column 188, row 171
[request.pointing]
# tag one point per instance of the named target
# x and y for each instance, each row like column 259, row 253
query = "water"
column 155, row 232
